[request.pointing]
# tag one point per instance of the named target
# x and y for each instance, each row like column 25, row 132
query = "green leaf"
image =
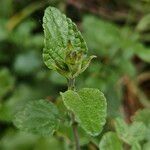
column 89, row 107
column 121, row 127
column 3, row 30
column 115, row 42
column 39, row 117
column 20, row 96
column 142, row 52
column 64, row 50
column 146, row 146
column 27, row 63
column 136, row 146
column 130, row 133
column 13, row 140
column 110, row 141
column 100, row 33
column 55, row 31
column 6, row 82
column 142, row 116
column 52, row 143
column 144, row 23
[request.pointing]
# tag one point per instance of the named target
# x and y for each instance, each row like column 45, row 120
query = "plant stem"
column 71, row 86
column 75, row 132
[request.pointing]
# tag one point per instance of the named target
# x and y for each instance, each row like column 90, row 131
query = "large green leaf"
column 130, row 134
column 110, row 141
column 55, row 31
column 64, row 47
column 89, row 107
column 39, row 117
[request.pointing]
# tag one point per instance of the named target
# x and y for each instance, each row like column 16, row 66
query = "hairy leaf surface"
column 39, row 117
column 89, row 107
column 65, row 50
column 110, row 141
column 130, row 134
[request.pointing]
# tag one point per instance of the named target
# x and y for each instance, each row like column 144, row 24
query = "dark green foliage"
column 117, row 33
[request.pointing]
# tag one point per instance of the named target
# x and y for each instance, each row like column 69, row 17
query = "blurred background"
column 116, row 31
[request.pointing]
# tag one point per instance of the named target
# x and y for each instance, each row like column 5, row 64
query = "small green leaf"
column 39, row 117
column 136, row 146
column 142, row 52
column 65, row 50
column 130, row 133
column 110, row 141
column 137, row 131
column 121, row 127
column 143, row 116
column 89, row 107
column 144, row 23
column 86, row 63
